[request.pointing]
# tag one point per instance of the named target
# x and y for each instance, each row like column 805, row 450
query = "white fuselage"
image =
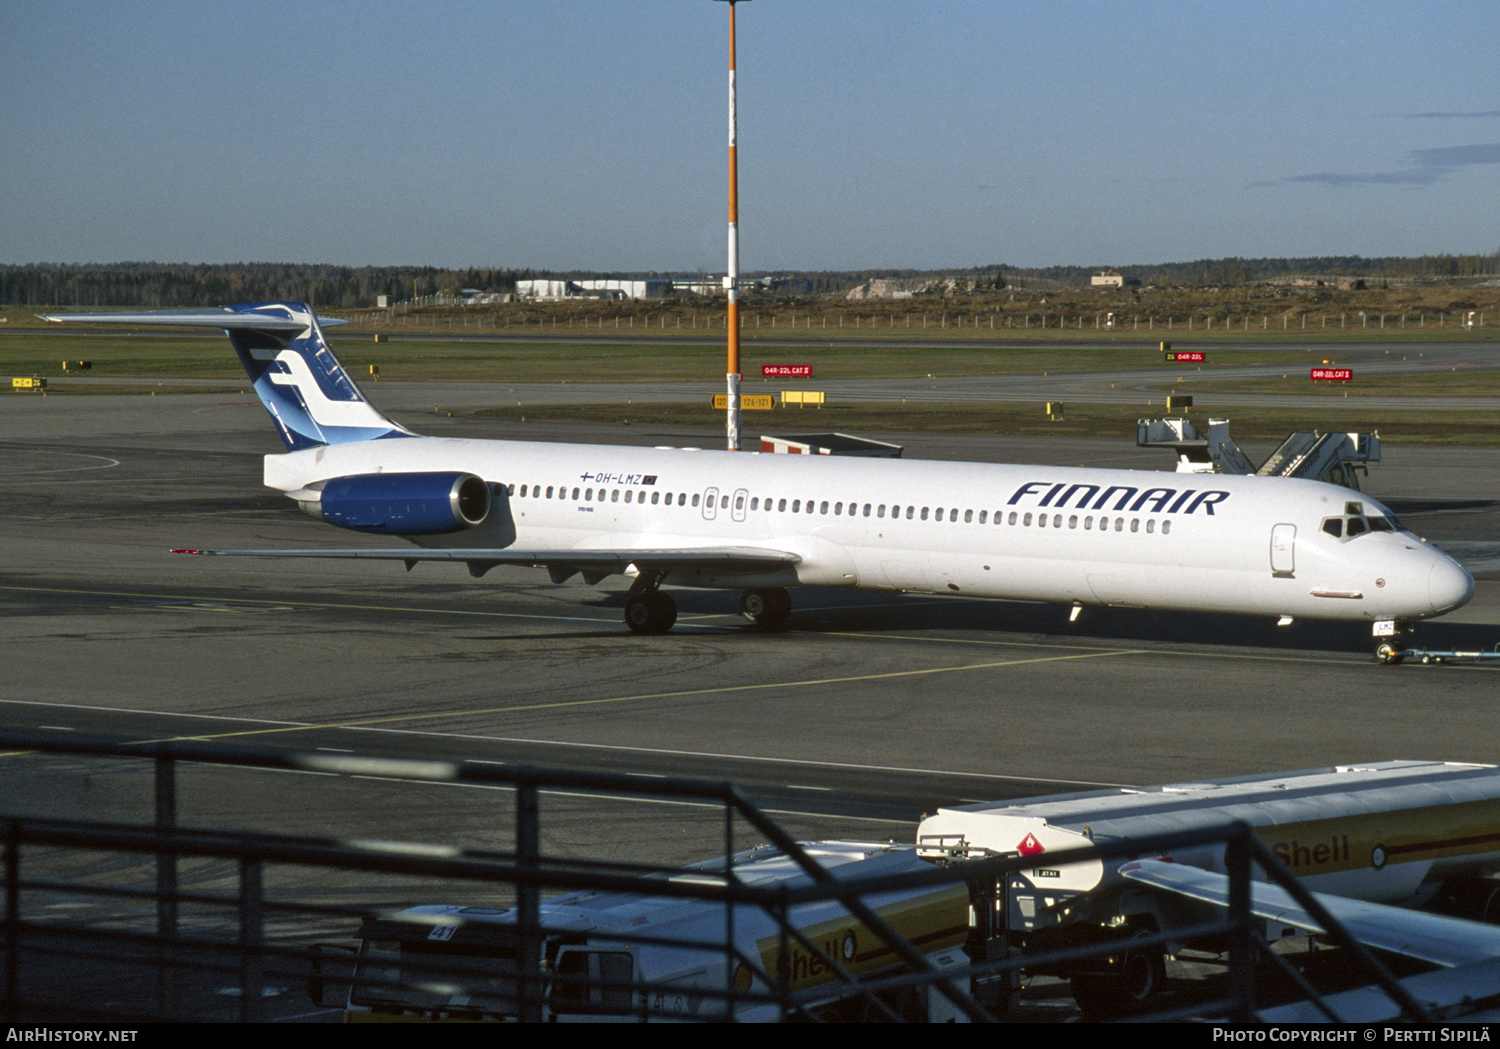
column 1192, row 542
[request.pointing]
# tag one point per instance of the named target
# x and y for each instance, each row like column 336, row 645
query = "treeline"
column 154, row 285
column 1234, row 270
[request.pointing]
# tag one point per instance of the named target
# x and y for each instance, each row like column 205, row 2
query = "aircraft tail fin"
column 312, row 400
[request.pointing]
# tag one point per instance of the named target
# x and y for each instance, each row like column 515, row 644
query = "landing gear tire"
column 766, row 608
column 652, row 613
column 1390, row 654
column 1142, row 975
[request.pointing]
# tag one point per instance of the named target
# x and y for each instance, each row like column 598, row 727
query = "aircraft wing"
column 1431, row 938
column 562, row 564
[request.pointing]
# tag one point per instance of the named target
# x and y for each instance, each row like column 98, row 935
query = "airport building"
column 606, row 288
column 650, row 288
column 1113, row 279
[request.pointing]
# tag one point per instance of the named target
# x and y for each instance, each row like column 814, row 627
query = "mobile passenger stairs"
column 1338, row 458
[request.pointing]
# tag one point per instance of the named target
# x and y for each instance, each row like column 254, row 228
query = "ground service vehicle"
column 1404, row 833
column 638, row 957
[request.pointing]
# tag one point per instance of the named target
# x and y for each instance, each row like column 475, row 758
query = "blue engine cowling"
column 404, row 504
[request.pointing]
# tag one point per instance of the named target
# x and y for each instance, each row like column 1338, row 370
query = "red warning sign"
column 1030, row 846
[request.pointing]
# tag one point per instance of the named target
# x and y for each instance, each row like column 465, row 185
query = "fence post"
column 166, row 882
column 252, row 943
column 1241, row 943
column 12, row 924
column 528, row 906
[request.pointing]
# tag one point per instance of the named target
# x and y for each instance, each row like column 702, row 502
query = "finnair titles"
column 761, row 523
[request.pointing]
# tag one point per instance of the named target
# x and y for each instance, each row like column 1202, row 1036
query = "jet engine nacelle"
column 400, row 503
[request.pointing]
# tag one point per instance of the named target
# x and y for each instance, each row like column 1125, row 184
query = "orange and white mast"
column 732, row 272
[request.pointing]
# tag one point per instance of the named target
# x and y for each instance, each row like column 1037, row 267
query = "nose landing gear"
column 1389, row 648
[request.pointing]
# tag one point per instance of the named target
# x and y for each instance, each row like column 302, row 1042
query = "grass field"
column 151, row 358
column 478, row 359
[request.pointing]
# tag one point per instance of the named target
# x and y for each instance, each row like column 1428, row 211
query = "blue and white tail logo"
column 312, row 400
column 302, row 384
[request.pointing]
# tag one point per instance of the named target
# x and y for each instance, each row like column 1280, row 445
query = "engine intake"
column 402, row 504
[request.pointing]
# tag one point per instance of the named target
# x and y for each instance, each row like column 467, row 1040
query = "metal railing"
column 81, row 940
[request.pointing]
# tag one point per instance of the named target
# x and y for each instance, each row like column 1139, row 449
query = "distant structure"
column 887, row 288
column 594, row 289
column 652, row 288
column 1112, row 279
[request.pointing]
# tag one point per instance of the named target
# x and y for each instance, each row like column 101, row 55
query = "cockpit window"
column 1354, row 523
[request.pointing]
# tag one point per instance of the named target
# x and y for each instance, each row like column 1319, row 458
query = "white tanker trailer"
column 1408, row 833
column 639, row 956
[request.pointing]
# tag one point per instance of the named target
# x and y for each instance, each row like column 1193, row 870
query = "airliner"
column 760, row 522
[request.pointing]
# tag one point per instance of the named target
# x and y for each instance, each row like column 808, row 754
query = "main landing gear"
column 647, row 609
column 651, row 613
column 766, row 608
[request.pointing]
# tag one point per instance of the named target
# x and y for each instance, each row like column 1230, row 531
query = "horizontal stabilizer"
column 223, row 317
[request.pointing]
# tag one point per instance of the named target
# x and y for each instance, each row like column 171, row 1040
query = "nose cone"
column 1449, row 585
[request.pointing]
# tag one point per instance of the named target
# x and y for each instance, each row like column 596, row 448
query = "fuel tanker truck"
column 1403, row 833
